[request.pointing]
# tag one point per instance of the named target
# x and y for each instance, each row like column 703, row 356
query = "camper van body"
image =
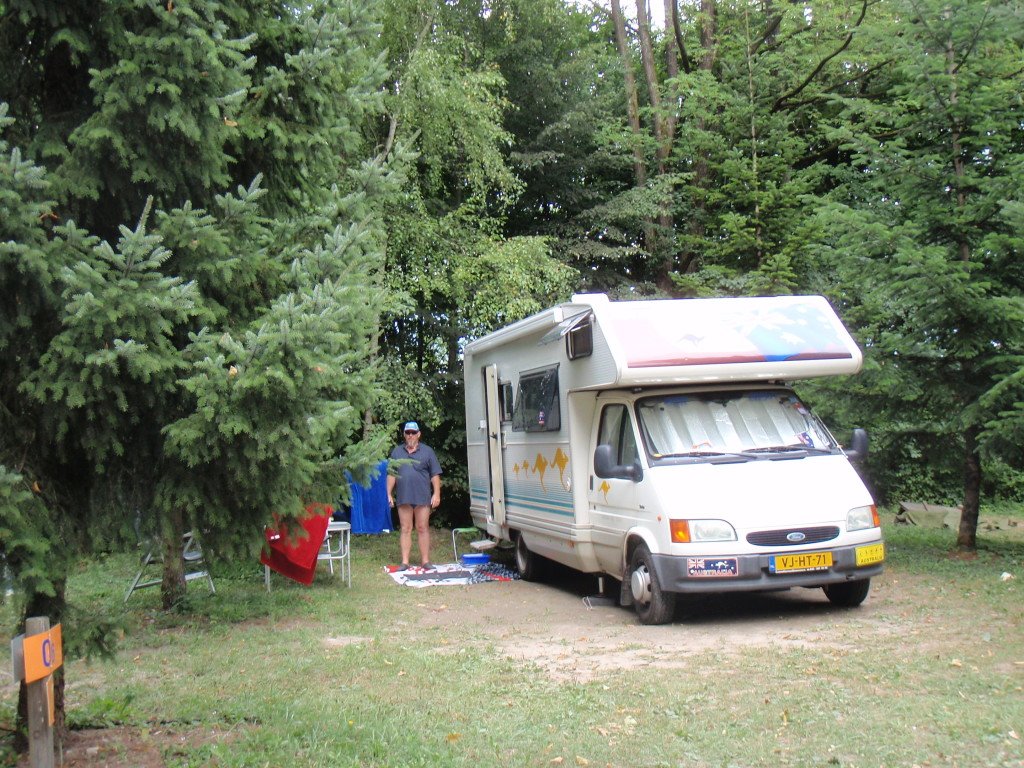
column 658, row 442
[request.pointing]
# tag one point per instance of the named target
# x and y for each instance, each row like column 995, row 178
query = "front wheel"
column 528, row 563
column 847, row 594
column 653, row 605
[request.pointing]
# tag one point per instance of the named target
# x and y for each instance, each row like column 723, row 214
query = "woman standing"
column 416, row 490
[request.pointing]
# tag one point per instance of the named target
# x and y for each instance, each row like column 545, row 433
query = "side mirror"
column 605, row 466
column 858, row 446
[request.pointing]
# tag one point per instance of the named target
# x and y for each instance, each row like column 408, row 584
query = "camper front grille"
column 786, row 538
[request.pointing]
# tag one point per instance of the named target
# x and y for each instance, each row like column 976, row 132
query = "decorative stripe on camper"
column 552, row 503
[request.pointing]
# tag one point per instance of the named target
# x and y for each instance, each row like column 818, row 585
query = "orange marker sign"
column 44, row 654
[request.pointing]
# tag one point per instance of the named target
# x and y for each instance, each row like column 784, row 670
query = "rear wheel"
column 529, row 564
column 848, row 594
column 653, row 605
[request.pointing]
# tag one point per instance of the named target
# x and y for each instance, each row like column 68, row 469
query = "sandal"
column 402, row 567
column 428, row 566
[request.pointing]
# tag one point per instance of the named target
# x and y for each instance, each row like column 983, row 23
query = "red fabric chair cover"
column 295, row 555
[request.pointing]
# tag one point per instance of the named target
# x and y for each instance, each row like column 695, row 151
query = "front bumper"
column 753, row 573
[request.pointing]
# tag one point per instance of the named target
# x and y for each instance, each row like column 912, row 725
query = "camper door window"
column 506, row 400
column 537, row 408
column 745, row 424
column 617, row 431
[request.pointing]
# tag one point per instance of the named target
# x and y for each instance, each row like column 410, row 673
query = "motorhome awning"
column 564, row 327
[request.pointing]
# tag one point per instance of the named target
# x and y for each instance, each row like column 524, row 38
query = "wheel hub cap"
column 640, row 584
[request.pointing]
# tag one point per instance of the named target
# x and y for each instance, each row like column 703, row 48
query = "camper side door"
column 613, row 497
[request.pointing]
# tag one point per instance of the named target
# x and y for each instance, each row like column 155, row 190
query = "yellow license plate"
column 871, row 554
column 808, row 561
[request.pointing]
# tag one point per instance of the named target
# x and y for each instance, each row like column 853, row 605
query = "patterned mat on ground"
column 451, row 573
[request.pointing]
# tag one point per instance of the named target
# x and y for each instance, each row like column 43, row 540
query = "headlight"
column 685, row 531
column 859, row 518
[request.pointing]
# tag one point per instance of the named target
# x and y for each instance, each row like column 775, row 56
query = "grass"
column 930, row 673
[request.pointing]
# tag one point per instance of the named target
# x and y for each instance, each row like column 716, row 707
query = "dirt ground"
column 130, row 747
column 574, row 635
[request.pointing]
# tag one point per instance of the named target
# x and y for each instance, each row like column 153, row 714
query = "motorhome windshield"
column 743, row 425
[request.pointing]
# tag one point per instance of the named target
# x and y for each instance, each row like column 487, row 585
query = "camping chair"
column 192, row 557
column 478, row 545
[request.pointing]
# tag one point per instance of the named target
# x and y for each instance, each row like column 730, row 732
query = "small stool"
column 478, row 545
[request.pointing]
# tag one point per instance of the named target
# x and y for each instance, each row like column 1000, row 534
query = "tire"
column 847, row 594
column 653, row 605
column 529, row 564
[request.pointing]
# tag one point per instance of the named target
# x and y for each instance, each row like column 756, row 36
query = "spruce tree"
column 191, row 356
column 925, row 232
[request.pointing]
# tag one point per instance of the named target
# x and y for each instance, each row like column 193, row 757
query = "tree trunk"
column 701, row 166
column 967, row 536
column 633, row 114
column 632, row 103
column 673, row 52
column 660, row 244
column 751, row 95
column 708, row 33
column 172, row 588
column 672, row 16
column 651, row 76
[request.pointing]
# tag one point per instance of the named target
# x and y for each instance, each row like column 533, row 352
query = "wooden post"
column 38, row 693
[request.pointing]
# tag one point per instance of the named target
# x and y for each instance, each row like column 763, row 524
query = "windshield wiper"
column 788, row 449
column 704, row 454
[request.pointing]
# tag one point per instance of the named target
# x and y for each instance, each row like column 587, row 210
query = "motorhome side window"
column 536, row 408
column 617, row 431
column 580, row 341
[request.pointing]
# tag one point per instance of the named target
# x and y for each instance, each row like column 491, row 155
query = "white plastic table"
column 337, row 549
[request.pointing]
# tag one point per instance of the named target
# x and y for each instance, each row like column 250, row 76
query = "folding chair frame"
column 194, row 562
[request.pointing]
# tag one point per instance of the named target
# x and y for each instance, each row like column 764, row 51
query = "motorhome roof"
column 667, row 341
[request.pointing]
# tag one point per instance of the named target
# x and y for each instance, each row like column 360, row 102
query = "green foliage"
column 940, row 313
column 225, row 251
column 270, row 405
column 315, row 83
column 25, row 533
column 449, row 272
column 209, row 366
column 103, row 712
column 114, row 364
column 30, row 548
column 509, row 281
column 149, row 65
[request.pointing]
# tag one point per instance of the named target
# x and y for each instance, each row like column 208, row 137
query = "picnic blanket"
column 450, row 574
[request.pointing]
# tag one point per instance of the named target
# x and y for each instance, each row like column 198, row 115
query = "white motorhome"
column 658, row 442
